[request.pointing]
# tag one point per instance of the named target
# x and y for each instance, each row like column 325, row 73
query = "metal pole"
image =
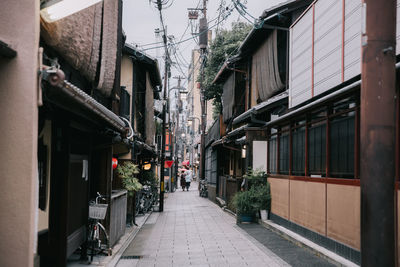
column 377, row 136
column 159, row 6
column 164, row 115
column 203, row 48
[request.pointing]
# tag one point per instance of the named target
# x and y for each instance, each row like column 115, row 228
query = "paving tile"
column 192, row 231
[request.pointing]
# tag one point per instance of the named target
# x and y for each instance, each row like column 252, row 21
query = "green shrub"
column 127, row 171
column 255, row 177
column 262, row 195
column 245, row 202
column 148, row 178
column 257, row 197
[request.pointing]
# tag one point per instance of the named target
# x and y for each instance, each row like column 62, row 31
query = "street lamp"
column 54, row 10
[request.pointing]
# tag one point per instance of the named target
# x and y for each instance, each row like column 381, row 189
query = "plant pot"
column 264, row 215
column 246, row 218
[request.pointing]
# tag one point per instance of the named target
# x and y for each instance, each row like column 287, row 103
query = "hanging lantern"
column 147, row 166
column 114, row 163
column 244, row 152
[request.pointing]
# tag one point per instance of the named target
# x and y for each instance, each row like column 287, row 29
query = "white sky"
column 140, row 19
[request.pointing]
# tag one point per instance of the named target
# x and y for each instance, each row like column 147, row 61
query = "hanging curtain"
column 265, row 71
column 228, row 97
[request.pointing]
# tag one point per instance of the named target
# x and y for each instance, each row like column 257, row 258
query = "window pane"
column 272, row 157
column 298, row 151
column 284, row 153
column 317, row 149
column 342, row 146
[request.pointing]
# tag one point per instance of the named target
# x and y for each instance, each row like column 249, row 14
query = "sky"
column 140, row 19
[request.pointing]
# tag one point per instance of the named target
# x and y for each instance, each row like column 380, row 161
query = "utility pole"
column 176, row 126
column 203, row 41
column 377, row 136
column 161, row 209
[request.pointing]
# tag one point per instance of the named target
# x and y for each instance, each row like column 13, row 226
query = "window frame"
column 333, row 109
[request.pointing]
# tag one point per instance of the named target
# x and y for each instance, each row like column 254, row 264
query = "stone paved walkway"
column 193, row 231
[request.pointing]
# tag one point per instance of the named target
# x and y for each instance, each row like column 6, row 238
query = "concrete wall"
column 19, row 27
column 331, row 210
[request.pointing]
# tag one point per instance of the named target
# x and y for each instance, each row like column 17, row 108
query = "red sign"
column 168, row 163
column 114, row 163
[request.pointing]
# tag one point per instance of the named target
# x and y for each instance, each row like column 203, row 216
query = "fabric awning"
column 265, row 79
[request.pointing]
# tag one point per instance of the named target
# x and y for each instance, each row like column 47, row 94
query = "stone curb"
column 305, row 243
column 122, row 244
column 302, row 242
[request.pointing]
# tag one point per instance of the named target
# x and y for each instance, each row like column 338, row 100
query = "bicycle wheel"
column 92, row 241
column 103, row 246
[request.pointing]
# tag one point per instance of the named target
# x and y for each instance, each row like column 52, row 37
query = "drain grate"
column 135, row 257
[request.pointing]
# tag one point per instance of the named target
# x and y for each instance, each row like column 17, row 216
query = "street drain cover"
column 131, row 257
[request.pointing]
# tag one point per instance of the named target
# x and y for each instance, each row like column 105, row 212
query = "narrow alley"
column 282, row 116
column 193, row 231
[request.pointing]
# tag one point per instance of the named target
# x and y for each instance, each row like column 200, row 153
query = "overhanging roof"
column 262, row 107
column 77, row 101
column 319, row 101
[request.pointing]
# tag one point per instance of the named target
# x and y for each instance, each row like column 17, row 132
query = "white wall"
column 325, row 50
column 260, row 149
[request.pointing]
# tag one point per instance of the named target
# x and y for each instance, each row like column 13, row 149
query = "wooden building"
column 79, row 128
column 254, row 90
column 308, row 132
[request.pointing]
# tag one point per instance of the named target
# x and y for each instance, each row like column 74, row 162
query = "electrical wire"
column 196, row 35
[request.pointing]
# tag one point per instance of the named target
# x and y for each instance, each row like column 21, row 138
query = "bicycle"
column 97, row 231
column 203, row 192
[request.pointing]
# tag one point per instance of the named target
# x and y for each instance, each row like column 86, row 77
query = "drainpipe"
column 377, row 135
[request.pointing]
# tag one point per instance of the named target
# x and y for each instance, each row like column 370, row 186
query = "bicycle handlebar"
column 99, row 196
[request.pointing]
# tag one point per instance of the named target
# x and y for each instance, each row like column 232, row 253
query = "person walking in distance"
column 183, row 180
column 188, row 178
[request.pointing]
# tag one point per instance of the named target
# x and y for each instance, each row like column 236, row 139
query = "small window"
column 284, row 153
column 317, row 149
column 298, row 151
column 341, row 135
column 125, row 103
column 273, row 154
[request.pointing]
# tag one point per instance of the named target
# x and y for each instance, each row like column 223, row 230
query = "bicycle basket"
column 97, row 211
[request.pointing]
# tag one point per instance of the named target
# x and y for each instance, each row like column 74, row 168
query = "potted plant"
column 127, row 172
column 263, row 198
column 256, row 198
column 246, row 205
